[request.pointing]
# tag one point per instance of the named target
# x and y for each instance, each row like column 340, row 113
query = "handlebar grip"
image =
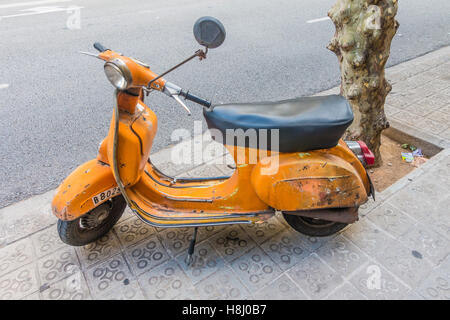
column 195, row 99
column 100, row 47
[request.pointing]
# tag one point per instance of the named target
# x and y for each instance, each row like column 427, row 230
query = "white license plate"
column 105, row 195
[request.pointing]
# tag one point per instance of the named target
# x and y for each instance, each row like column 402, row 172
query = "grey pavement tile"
column 437, row 285
column 46, row 241
column 166, row 281
column 408, row 201
column 232, row 243
column 314, row 277
column 367, row 236
column 99, row 250
column 346, row 292
column 439, row 116
column 72, row 288
column 390, row 110
column 15, row 255
column 286, row 248
column 205, row 261
column 342, row 256
column 406, row 117
column 412, row 295
column 407, row 264
column 26, row 217
column 19, row 283
column 33, row 296
column 255, row 269
column 146, row 255
column 223, row 285
column 430, row 126
column 133, row 230
column 428, row 242
column 376, row 283
column 260, row 232
column 391, row 219
column 112, row 279
column 282, row 288
column 176, row 240
column 206, row 233
column 58, row 265
column 445, row 134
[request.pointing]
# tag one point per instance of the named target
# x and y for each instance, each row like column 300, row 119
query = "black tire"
column 75, row 234
column 313, row 227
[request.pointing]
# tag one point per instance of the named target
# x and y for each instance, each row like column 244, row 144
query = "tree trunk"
column 364, row 30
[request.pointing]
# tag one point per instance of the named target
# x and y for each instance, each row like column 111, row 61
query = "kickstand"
column 191, row 247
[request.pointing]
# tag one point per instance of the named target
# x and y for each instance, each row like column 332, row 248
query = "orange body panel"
column 74, row 196
column 313, row 180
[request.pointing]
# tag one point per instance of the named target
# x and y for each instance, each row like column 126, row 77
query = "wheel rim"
column 97, row 217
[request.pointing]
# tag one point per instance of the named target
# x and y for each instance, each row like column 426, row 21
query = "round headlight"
column 118, row 74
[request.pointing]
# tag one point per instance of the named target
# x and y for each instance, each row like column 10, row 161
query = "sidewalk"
column 403, row 237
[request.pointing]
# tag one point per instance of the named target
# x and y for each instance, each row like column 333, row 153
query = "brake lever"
column 174, row 91
column 177, row 99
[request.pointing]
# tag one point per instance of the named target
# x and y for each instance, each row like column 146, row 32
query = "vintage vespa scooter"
column 318, row 185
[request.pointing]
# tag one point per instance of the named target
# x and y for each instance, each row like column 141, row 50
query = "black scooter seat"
column 306, row 123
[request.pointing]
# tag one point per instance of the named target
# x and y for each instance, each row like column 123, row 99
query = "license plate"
column 105, row 195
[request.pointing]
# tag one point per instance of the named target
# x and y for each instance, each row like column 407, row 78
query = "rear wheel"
column 94, row 224
column 316, row 227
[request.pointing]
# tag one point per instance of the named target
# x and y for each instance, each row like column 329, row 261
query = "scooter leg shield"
column 86, row 187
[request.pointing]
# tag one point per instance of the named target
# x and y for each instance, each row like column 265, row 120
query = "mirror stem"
column 199, row 53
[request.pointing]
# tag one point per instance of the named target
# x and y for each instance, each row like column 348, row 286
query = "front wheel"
column 94, row 224
column 316, row 227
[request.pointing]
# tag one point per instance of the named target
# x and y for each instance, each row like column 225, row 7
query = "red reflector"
column 368, row 155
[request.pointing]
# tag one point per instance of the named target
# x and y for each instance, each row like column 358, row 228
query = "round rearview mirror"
column 209, row 32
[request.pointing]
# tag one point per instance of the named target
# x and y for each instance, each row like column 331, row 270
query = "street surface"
column 56, row 104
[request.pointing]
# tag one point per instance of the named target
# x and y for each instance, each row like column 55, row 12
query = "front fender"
column 80, row 191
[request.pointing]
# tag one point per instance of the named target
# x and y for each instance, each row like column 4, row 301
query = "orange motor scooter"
column 305, row 170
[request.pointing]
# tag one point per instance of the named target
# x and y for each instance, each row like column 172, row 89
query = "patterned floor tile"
column 223, row 285
column 205, row 261
column 46, row 241
column 72, row 288
column 19, row 283
column 166, row 281
column 343, row 256
column 206, row 233
column 286, row 248
column 282, row 288
column 146, row 255
column 100, row 250
column 232, row 242
column 58, row 265
column 407, row 264
column 376, row 283
column 437, row 285
column 255, row 269
column 176, row 240
column 133, row 230
column 391, row 219
column 367, row 236
column 428, row 242
column 260, row 232
column 314, row 277
column 110, row 277
column 346, row 292
column 15, row 255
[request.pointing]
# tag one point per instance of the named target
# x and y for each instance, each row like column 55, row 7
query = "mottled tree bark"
column 364, row 30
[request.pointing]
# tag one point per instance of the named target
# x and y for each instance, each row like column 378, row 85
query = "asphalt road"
column 55, row 104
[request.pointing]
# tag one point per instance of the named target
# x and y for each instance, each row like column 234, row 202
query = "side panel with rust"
column 312, row 180
column 74, row 196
